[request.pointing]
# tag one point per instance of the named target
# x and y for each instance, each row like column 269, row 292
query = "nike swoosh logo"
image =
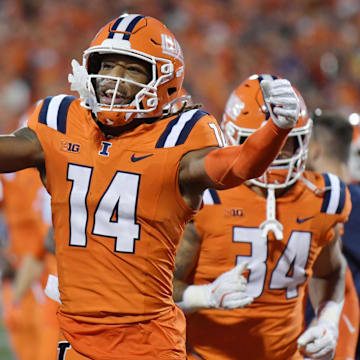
column 348, row 324
column 300, row 221
column 138, row 158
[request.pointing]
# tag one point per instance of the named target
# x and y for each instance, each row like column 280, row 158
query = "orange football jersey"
column 117, row 210
column 25, row 213
column 278, row 269
column 31, row 325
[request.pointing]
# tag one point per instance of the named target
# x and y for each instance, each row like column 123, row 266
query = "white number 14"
column 115, row 214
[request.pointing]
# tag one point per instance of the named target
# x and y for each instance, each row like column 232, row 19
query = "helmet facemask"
column 282, row 172
column 145, row 101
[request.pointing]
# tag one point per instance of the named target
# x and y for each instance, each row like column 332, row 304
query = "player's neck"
column 115, row 131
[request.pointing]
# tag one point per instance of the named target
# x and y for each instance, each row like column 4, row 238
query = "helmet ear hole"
column 242, row 139
column 167, row 68
column 171, row 90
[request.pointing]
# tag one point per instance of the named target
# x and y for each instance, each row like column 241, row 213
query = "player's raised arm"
column 20, row 150
column 230, row 166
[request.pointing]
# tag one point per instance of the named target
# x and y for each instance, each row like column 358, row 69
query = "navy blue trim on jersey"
column 188, row 127
column 60, row 112
column 44, row 110
column 114, row 27
column 327, row 195
column 342, row 197
column 131, row 26
column 63, row 112
column 214, row 196
column 185, row 131
column 164, row 135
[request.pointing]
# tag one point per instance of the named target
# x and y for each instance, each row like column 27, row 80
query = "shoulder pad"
column 211, row 197
column 178, row 129
column 54, row 110
column 334, row 198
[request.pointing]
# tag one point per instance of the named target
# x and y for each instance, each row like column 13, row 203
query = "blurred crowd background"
column 313, row 43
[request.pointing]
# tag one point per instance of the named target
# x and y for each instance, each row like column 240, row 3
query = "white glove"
column 319, row 341
column 281, row 101
column 79, row 80
column 228, row 291
column 52, row 288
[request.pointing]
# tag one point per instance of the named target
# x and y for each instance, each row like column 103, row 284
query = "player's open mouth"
column 106, row 97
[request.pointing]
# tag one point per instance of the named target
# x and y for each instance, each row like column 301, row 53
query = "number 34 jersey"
column 278, row 269
column 117, row 210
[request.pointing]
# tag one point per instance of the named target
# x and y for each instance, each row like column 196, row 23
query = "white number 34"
column 289, row 271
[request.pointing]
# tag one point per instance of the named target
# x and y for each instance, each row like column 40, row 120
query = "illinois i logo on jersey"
column 105, row 148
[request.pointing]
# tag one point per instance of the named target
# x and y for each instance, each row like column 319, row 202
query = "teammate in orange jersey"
column 124, row 179
column 29, row 316
column 330, row 128
column 284, row 224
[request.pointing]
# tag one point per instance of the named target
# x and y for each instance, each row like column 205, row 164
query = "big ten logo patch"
column 237, row 212
column 69, row 147
column 171, row 47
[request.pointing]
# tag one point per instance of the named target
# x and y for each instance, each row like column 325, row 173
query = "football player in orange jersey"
column 284, row 224
column 29, row 317
column 330, row 127
column 124, row 179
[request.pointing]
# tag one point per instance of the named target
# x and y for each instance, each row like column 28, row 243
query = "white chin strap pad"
column 271, row 224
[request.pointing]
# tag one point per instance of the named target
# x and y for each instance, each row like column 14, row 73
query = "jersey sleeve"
column 52, row 112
